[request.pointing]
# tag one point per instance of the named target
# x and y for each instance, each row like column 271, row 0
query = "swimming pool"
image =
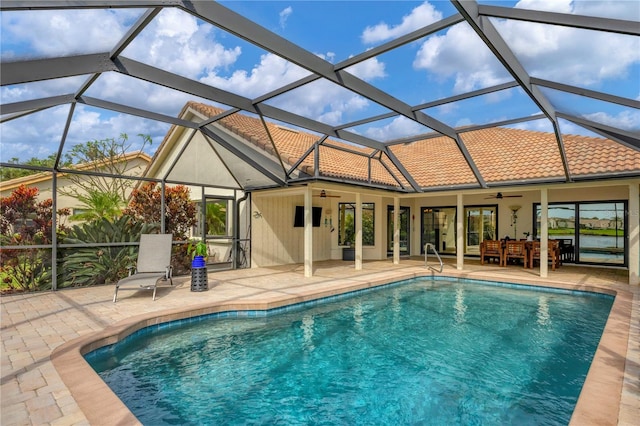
column 435, row 352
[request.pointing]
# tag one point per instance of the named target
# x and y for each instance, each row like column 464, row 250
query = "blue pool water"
column 419, row 352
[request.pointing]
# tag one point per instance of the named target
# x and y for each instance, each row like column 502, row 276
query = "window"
column 347, row 224
column 216, row 218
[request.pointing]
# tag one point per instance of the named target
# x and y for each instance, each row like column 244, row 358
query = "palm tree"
column 97, row 204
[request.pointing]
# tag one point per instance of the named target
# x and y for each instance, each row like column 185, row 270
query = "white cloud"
column 271, row 72
column 284, row 15
column 323, row 101
column 368, row 70
column 460, row 54
column 419, row 17
column 627, row 119
column 616, row 9
column 399, row 127
column 175, row 42
column 52, row 33
column 568, row 55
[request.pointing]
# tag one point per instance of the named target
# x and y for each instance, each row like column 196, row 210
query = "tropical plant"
column 180, row 210
column 216, row 218
column 97, row 204
column 25, row 221
column 86, row 266
column 198, row 249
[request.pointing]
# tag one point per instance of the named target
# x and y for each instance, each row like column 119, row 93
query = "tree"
column 101, row 195
column 7, row 173
column 97, row 205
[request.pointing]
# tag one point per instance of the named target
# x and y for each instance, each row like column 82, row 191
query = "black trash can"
column 199, row 279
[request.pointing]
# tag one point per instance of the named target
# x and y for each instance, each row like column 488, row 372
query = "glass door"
column 439, row 228
column 404, row 230
column 480, row 224
column 216, row 220
column 590, row 232
column 601, row 233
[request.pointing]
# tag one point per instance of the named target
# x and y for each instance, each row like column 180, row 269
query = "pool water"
column 425, row 352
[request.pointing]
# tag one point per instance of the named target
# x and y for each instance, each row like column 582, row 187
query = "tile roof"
column 438, row 162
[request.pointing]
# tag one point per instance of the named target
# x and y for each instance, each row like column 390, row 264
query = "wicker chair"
column 516, row 250
column 553, row 253
column 491, row 249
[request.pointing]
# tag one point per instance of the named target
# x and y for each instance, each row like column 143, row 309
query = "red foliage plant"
column 180, row 213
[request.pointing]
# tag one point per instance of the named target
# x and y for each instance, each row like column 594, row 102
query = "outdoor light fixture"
column 514, row 219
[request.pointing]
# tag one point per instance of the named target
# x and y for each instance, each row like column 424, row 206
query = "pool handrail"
column 426, row 252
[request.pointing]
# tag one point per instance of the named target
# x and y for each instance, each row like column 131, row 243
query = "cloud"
column 545, row 51
column 399, row 127
column 323, row 101
column 627, row 119
column 419, row 17
column 176, row 42
column 284, row 15
column 368, row 70
column 461, row 55
column 271, row 72
column 34, row 34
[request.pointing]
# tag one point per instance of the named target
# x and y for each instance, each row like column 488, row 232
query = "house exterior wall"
column 275, row 241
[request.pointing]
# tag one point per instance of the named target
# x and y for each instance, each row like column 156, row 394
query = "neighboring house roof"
column 45, row 176
column 437, row 162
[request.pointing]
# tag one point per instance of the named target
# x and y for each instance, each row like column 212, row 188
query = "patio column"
column 634, row 233
column 308, row 233
column 460, row 234
column 544, row 232
column 396, row 230
column 358, row 231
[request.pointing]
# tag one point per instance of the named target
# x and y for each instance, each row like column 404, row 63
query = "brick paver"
column 33, row 325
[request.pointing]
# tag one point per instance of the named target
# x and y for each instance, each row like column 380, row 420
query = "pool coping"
column 598, row 402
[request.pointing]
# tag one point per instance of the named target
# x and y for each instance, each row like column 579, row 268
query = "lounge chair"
column 153, row 264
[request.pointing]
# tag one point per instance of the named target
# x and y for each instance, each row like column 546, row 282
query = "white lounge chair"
column 153, row 264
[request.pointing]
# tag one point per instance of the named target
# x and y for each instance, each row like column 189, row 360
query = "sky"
column 444, row 64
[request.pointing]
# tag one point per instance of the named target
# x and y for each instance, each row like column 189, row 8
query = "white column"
column 358, row 231
column 308, row 233
column 460, row 234
column 634, row 233
column 544, row 232
column 396, row 230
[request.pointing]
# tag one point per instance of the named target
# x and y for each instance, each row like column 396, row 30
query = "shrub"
column 86, row 266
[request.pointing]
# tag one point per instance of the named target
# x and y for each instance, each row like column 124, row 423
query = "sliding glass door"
column 601, row 233
column 480, row 224
column 593, row 232
column 439, row 228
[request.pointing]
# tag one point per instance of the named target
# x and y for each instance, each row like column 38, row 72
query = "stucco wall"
column 276, row 241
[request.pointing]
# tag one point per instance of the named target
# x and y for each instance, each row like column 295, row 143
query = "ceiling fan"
column 323, row 194
column 499, row 196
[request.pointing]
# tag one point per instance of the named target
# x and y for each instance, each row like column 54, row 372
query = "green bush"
column 87, row 266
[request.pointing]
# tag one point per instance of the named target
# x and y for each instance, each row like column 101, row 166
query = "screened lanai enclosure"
column 197, row 118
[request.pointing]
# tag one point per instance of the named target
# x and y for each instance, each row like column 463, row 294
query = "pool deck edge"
column 598, row 402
